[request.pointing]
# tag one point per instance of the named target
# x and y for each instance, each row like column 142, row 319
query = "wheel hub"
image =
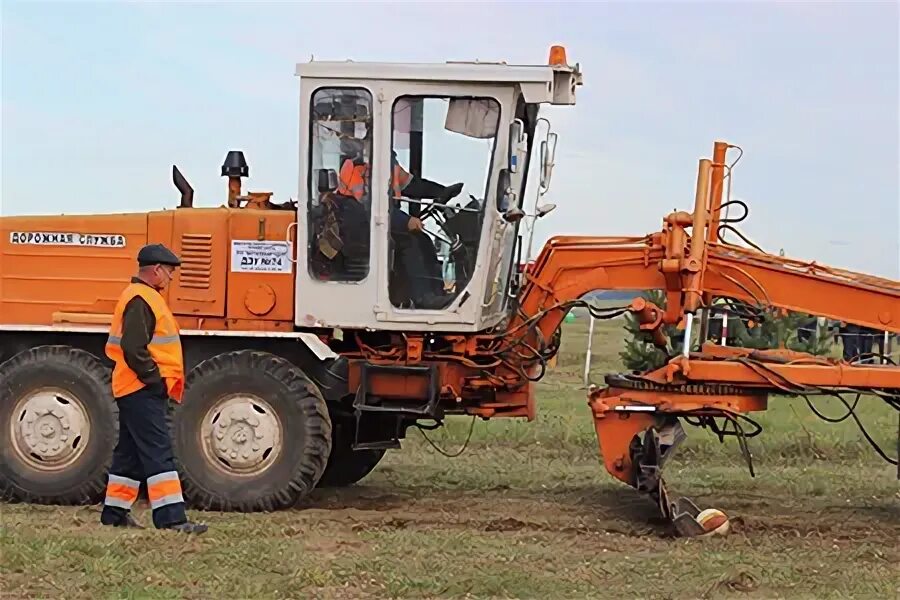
column 242, row 434
column 50, row 428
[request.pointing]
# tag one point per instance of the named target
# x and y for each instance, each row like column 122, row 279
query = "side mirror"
column 544, row 209
column 548, row 156
column 516, row 137
column 327, row 181
column 514, row 214
column 506, row 197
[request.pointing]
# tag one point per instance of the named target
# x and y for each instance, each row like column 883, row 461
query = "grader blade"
column 636, row 439
column 684, row 518
column 648, row 456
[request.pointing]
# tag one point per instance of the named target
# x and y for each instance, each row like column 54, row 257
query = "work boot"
column 189, row 527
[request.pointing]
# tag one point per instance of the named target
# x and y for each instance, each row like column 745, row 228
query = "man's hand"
column 415, row 224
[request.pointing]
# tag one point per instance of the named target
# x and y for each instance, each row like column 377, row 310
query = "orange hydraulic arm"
column 570, row 267
column 692, row 272
column 803, row 287
column 692, row 269
column 716, row 382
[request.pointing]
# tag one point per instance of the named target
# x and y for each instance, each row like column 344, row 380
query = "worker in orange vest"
column 415, row 250
column 352, row 179
column 145, row 345
column 408, row 231
column 354, row 175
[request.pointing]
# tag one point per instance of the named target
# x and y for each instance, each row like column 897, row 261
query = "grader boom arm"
column 637, row 417
column 690, row 269
column 570, row 267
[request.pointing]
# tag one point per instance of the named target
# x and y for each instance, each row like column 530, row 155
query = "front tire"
column 252, row 433
column 58, row 426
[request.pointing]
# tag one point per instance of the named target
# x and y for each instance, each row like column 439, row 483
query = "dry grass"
column 526, row 512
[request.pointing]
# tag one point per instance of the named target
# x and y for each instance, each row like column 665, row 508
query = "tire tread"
column 93, row 488
column 312, row 406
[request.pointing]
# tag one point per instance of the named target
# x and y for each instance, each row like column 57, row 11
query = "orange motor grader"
column 308, row 357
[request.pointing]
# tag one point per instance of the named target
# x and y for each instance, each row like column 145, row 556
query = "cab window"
column 440, row 174
column 339, row 208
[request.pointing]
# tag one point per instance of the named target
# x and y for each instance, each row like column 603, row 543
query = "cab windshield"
column 442, row 153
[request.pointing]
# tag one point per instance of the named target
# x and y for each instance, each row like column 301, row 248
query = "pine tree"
column 777, row 328
column 753, row 328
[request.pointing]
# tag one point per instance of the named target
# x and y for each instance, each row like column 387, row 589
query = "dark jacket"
column 138, row 323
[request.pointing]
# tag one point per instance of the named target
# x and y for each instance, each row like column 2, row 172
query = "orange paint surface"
column 71, row 269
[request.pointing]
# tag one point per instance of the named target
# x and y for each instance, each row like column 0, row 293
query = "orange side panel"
column 71, row 269
column 260, row 267
column 56, row 269
column 200, row 239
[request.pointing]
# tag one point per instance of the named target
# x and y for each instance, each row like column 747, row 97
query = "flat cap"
column 157, row 254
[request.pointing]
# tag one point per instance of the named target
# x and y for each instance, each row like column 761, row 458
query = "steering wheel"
column 445, row 236
column 441, row 208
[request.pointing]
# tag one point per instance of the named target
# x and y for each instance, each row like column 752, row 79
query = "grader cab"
column 281, row 303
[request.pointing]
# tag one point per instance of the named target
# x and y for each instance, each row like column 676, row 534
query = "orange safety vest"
column 164, row 347
column 352, row 179
column 399, row 180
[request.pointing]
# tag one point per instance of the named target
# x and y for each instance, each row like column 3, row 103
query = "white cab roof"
column 537, row 81
column 486, row 72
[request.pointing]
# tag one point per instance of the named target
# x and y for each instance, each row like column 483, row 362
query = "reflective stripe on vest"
column 164, row 347
column 352, row 180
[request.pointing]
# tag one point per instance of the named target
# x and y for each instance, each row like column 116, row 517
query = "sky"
column 100, row 99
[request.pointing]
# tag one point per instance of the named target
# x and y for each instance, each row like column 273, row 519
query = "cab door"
column 337, row 268
column 442, row 136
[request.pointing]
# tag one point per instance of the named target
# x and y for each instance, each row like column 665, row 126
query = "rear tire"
column 252, row 434
column 58, row 426
column 345, row 465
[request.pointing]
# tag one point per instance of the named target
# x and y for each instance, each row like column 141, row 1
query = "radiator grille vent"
column 196, row 260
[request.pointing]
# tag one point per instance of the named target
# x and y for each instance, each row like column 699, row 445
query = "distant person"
column 857, row 342
column 867, row 337
column 145, row 345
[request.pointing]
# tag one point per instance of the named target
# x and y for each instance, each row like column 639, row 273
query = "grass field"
column 527, row 511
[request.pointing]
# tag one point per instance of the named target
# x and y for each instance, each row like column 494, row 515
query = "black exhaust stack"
column 234, row 167
column 187, row 192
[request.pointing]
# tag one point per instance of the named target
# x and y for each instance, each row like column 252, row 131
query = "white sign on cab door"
column 254, row 256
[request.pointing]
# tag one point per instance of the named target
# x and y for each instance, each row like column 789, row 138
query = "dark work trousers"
column 857, row 341
column 416, row 255
column 413, row 265
column 144, row 452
